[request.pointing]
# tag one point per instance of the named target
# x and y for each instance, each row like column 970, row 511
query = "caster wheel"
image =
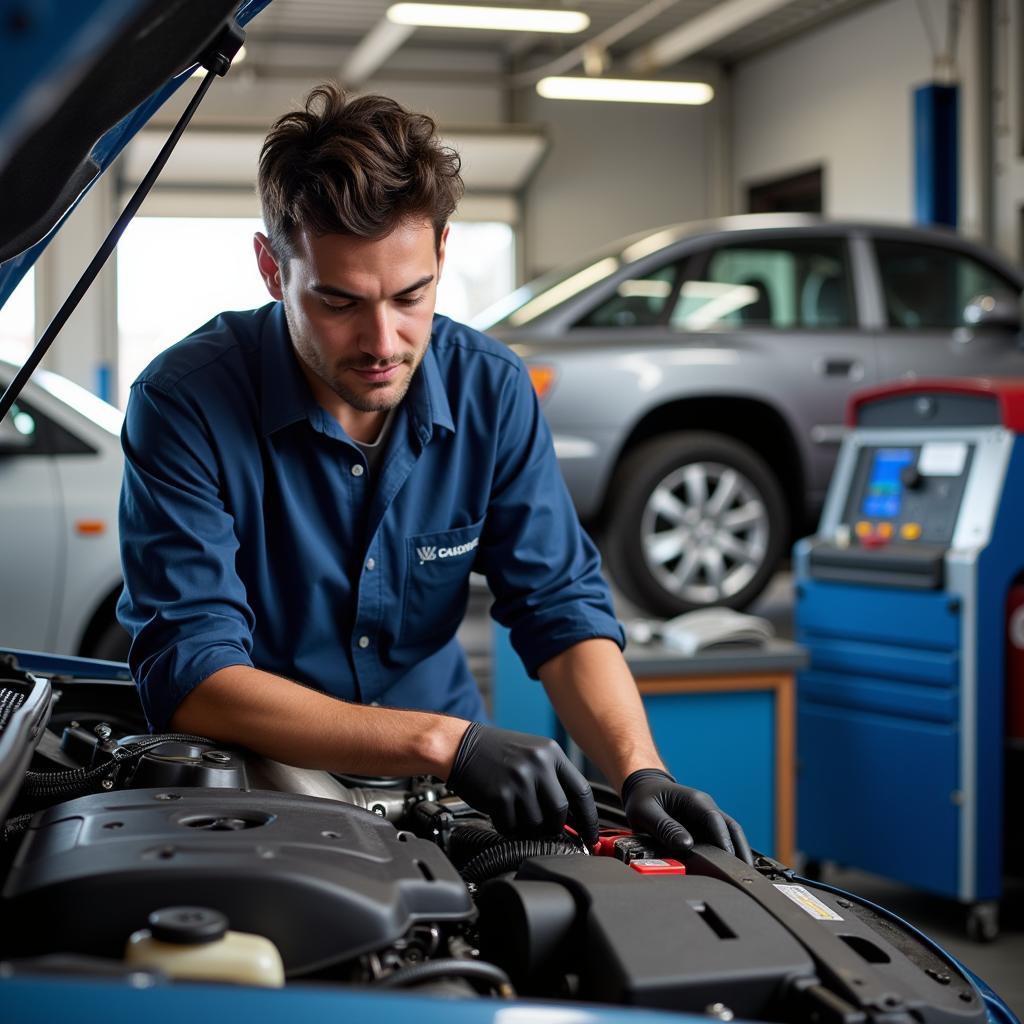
column 983, row 922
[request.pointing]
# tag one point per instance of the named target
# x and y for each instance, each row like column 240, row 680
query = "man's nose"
column 376, row 338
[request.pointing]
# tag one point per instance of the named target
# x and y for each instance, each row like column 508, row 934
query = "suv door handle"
column 837, row 366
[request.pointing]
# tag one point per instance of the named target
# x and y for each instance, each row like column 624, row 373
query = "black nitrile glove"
column 525, row 783
column 675, row 815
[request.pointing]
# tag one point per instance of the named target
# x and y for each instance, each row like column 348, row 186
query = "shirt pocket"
column 437, row 584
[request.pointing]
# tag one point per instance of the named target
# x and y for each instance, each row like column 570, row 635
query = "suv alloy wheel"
column 697, row 519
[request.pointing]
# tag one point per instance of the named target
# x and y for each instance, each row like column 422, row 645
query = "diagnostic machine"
column 906, row 600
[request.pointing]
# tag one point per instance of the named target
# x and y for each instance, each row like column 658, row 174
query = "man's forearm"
column 291, row 723
column 597, row 701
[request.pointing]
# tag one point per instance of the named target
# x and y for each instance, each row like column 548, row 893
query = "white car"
column 60, row 474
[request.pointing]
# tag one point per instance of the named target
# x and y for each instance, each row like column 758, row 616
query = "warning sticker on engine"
column 810, row 903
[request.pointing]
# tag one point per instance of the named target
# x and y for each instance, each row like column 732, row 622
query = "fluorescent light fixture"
column 625, row 90
column 506, row 19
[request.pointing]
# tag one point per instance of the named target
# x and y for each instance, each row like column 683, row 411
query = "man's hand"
column 525, row 783
column 675, row 815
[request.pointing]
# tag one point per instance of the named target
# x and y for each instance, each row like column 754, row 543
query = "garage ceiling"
column 314, row 37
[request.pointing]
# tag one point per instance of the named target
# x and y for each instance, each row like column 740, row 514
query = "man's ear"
column 268, row 266
column 440, row 251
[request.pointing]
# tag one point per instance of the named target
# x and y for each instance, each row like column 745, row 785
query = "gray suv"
column 695, row 379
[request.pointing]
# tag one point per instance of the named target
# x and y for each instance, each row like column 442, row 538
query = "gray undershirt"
column 374, row 450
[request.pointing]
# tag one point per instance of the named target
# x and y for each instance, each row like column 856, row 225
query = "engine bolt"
column 379, row 810
column 107, row 784
column 845, row 904
column 216, row 756
column 719, row 1011
column 103, row 731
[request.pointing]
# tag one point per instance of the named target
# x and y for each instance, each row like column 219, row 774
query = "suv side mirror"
column 1000, row 310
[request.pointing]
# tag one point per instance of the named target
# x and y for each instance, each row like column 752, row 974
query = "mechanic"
column 308, row 485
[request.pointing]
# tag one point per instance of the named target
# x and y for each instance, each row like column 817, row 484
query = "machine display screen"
column 885, row 489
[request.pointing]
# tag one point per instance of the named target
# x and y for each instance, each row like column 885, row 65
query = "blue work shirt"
column 253, row 533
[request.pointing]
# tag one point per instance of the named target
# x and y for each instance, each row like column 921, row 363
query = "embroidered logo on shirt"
column 432, row 554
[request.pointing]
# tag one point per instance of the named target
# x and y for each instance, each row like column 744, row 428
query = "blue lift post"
column 936, row 154
column 901, row 603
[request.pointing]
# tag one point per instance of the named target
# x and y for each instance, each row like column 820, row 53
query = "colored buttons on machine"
column 885, row 530
column 862, row 529
column 910, row 531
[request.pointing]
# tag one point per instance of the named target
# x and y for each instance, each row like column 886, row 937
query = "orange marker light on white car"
column 90, row 527
column 541, row 377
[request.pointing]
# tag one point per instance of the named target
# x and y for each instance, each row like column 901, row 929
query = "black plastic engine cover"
column 681, row 943
column 324, row 881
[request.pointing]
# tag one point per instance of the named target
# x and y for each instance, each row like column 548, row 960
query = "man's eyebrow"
column 341, row 293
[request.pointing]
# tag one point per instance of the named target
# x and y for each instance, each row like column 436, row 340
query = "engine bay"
column 397, row 883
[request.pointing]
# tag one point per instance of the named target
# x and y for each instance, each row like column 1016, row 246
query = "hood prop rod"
column 216, row 59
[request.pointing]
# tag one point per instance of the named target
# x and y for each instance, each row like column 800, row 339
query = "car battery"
column 903, row 599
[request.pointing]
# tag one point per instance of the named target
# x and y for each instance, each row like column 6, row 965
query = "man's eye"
column 332, row 307
column 410, row 300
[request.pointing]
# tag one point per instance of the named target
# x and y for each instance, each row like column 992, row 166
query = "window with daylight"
column 175, row 273
column 18, row 321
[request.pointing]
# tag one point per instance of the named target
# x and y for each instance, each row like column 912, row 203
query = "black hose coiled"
column 466, row 841
column 510, row 854
column 14, row 828
column 46, row 787
column 432, row 970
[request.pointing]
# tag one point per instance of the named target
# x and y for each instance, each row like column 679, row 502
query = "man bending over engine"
column 308, row 486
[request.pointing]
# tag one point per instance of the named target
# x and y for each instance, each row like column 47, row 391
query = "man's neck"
column 360, row 426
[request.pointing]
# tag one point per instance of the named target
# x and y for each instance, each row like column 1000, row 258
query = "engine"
column 397, row 883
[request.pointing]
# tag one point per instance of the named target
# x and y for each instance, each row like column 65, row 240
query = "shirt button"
column 364, row 642
column 371, row 564
column 357, row 469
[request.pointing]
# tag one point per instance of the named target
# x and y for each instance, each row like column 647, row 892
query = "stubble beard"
column 380, row 397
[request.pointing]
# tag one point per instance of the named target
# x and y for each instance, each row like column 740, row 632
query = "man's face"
column 359, row 311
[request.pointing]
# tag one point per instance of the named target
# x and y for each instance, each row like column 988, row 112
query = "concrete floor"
column 1000, row 963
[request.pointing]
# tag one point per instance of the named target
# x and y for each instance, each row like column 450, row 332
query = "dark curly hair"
column 355, row 167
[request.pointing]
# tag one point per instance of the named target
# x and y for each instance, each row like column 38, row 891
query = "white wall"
column 1009, row 138
column 841, row 97
column 612, row 169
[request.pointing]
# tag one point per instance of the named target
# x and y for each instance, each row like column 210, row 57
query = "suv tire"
column 695, row 520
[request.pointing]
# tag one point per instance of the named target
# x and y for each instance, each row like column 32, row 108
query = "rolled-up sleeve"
column 183, row 602
column 542, row 567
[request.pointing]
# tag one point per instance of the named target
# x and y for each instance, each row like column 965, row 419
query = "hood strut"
column 216, row 59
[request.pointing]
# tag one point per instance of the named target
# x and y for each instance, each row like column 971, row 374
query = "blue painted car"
column 166, row 877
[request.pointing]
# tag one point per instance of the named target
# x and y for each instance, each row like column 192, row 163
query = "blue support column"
column 936, row 154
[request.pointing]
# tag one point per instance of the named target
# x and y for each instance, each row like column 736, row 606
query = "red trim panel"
column 1008, row 391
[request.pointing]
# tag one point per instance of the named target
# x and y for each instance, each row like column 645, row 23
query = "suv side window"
column 26, row 431
column 19, row 432
column 926, row 286
column 637, row 302
column 799, row 283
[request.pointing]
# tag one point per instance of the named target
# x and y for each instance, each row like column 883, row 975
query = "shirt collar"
column 428, row 399
column 286, row 394
column 287, row 397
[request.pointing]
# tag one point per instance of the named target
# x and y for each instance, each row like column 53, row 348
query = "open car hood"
column 78, row 80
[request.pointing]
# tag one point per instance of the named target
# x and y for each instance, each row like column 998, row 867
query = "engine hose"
column 432, row 970
column 63, row 785
column 466, row 841
column 14, row 828
column 509, row 855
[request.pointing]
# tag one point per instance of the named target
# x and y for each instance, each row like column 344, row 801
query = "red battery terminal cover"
column 657, row 866
column 636, row 851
